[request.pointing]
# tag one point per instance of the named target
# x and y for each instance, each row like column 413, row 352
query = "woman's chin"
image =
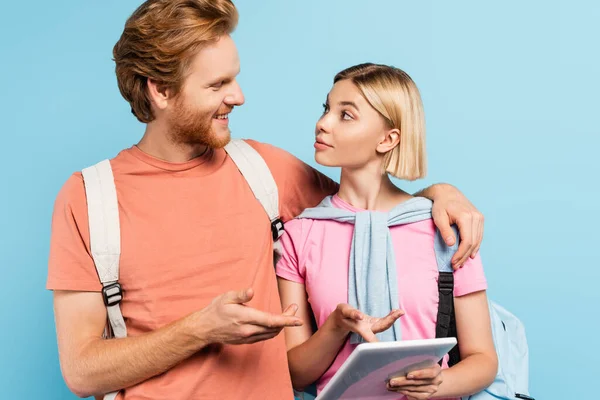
column 321, row 159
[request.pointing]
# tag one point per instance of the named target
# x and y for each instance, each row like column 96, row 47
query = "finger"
column 402, row 382
column 368, row 335
column 426, row 373
column 238, row 297
column 247, row 331
column 260, row 337
column 465, row 229
column 419, row 393
column 474, row 235
column 386, row 322
column 268, row 320
column 419, row 389
column 351, row 313
column 291, row 310
column 391, row 388
column 442, row 222
column 479, row 236
column 468, row 251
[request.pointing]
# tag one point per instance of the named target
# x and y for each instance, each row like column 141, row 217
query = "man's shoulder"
column 73, row 190
column 272, row 154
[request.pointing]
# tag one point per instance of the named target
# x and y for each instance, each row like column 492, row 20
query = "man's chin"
column 220, row 139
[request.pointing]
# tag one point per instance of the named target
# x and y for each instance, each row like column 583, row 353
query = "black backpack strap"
column 446, row 320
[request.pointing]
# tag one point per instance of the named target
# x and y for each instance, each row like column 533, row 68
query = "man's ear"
column 159, row 94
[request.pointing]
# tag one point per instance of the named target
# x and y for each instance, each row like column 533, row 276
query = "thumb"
column 368, row 335
column 442, row 222
column 239, row 297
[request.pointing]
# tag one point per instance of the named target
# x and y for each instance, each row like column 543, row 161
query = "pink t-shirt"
column 316, row 254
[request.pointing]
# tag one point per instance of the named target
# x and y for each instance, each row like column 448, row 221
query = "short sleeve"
column 470, row 278
column 290, row 265
column 70, row 265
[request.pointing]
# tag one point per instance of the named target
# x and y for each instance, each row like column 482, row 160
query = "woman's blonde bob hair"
column 392, row 93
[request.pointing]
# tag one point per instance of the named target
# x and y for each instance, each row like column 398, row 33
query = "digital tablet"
column 365, row 373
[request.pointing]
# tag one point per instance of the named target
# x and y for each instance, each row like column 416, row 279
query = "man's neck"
column 156, row 142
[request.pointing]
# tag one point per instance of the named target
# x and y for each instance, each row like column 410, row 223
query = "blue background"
column 511, row 97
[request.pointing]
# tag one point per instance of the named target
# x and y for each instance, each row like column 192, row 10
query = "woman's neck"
column 370, row 189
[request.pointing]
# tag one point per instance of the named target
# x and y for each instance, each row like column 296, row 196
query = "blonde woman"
column 363, row 262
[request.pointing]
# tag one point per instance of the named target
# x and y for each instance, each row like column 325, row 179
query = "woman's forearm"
column 471, row 375
column 309, row 361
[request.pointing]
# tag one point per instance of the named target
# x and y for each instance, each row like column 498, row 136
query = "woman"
column 372, row 127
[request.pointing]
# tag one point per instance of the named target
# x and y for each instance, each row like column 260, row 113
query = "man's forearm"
column 104, row 366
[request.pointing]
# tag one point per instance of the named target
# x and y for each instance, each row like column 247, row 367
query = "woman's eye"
column 346, row 116
column 325, row 108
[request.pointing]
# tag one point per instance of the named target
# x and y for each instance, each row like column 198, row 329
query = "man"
column 201, row 304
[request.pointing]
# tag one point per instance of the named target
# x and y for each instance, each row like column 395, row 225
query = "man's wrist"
column 196, row 332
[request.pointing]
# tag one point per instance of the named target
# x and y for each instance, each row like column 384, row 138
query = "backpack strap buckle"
column 446, row 283
column 112, row 294
column 277, row 228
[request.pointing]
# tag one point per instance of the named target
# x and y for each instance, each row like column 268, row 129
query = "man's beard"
column 190, row 127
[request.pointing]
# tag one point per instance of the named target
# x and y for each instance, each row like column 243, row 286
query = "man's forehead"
column 218, row 74
column 217, row 60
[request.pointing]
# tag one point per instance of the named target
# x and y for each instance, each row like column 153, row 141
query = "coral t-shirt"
column 190, row 232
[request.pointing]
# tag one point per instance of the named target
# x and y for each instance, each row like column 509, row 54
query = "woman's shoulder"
column 301, row 228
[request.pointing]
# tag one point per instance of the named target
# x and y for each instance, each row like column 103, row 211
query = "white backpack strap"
column 259, row 178
column 105, row 242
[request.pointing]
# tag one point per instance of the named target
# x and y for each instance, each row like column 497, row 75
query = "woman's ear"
column 389, row 142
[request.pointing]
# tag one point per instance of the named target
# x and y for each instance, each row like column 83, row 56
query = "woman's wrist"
column 332, row 327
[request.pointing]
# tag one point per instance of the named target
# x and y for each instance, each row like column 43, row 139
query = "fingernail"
column 411, row 376
column 450, row 240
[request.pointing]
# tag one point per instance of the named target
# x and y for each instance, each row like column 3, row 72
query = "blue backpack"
column 512, row 379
